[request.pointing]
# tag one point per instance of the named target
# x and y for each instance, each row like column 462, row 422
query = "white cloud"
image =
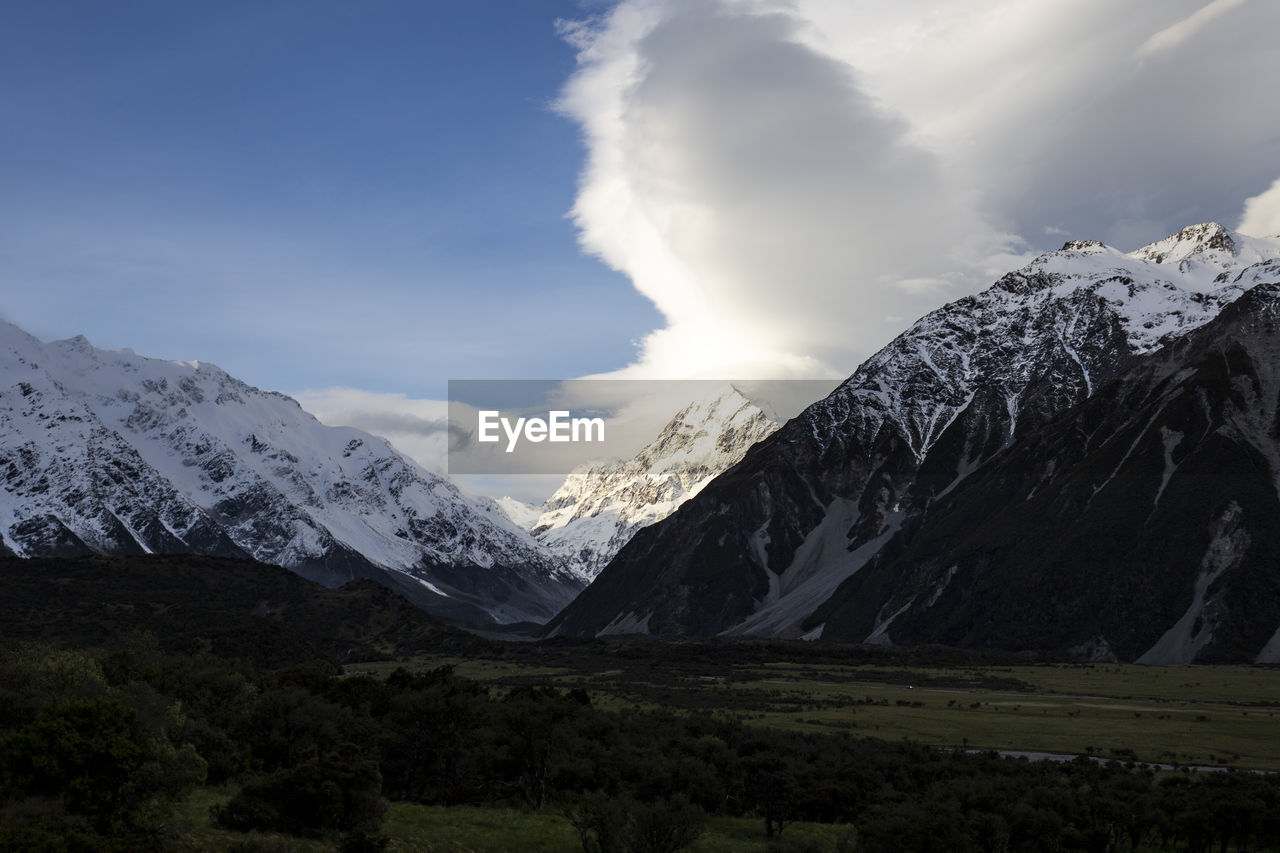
column 781, row 177
column 766, row 204
column 417, row 428
column 1174, row 35
column 1261, row 217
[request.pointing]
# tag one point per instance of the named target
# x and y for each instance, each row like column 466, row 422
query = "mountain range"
column 1083, row 458
column 107, row 452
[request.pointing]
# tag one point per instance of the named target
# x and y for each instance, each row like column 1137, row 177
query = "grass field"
column 417, row 829
column 1201, row 715
column 414, row 828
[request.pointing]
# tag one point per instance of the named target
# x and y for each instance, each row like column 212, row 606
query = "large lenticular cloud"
column 792, row 182
column 765, row 203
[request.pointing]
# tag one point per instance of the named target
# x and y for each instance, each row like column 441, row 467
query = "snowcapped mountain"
column 109, row 452
column 600, row 507
column 765, row 547
column 1141, row 525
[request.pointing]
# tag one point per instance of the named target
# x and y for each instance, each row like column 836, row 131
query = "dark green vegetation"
column 184, row 738
column 263, row 614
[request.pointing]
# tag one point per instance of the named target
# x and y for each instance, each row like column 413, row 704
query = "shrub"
column 606, row 824
column 338, row 792
column 99, row 762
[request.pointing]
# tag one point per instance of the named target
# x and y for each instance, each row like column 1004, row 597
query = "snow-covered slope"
column 114, row 453
column 765, row 545
column 525, row 515
column 600, row 507
column 1085, row 308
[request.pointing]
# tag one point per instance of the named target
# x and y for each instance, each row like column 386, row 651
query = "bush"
column 97, row 760
column 601, row 822
column 606, row 824
column 665, row 826
column 339, row 792
column 361, row 842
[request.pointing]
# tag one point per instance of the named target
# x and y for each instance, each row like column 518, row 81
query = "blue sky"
column 308, row 194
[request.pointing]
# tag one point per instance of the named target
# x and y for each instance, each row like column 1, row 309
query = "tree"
column 94, row 756
column 771, row 786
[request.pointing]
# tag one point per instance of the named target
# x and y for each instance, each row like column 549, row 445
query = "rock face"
column 600, row 507
column 110, row 453
column 865, row 518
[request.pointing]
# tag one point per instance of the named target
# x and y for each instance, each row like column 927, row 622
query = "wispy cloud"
column 420, row 429
column 1174, row 35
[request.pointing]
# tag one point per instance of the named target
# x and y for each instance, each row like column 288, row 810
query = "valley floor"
column 199, row 705
column 1220, row 716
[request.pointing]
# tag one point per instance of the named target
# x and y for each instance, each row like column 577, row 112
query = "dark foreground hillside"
column 231, row 608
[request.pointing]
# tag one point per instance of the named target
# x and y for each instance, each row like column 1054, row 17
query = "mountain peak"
column 717, row 424
column 1190, row 241
column 725, row 394
column 79, row 342
column 1083, row 246
column 599, row 507
column 719, row 406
